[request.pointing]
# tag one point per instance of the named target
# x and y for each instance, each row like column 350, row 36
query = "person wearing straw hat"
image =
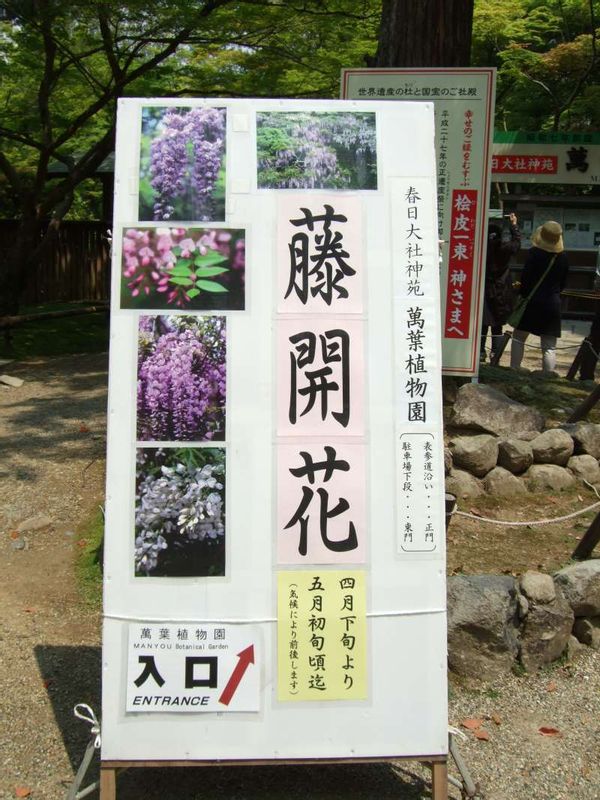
column 544, row 277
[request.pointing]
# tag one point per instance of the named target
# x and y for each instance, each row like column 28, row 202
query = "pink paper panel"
column 321, row 503
column 320, row 377
column 319, row 254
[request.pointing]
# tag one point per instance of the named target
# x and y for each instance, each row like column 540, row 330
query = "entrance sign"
column 274, row 554
column 464, row 106
column 193, row 668
column 553, row 157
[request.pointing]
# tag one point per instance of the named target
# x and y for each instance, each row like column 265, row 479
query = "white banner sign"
column 275, row 506
column 464, row 107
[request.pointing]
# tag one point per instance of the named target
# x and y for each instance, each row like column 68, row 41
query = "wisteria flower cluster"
column 181, row 378
column 182, row 164
column 195, row 268
column 180, row 512
column 317, row 150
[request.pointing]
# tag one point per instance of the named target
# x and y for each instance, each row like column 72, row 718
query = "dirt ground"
column 52, row 441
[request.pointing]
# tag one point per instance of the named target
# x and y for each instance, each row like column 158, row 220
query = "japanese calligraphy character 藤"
column 318, row 263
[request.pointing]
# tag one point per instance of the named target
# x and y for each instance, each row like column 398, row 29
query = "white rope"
column 563, row 347
column 529, row 522
column 536, row 521
column 221, row 621
column 87, row 715
column 456, row 732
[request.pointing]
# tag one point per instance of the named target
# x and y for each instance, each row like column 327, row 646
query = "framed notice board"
column 274, row 556
column 463, row 101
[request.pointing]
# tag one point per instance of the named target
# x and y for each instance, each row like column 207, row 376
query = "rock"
column 585, row 468
column 587, row 631
column 544, row 477
column 449, row 389
column 34, row 523
column 574, row 648
column 19, row 544
column 476, row 454
column 447, row 461
column 538, row 587
column 502, row 483
column 8, row 380
column 515, row 455
column 462, row 484
column 482, row 408
column 586, row 436
column 523, row 603
column 528, row 436
column 581, row 585
column 546, row 629
column 552, row 447
column 483, row 632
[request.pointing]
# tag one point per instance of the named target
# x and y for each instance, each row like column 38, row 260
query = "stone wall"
column 497, row 446
column 496, row 622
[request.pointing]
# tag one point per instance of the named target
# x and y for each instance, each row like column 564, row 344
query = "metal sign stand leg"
column 468, row 788
column 84, row 712
column 75, row 793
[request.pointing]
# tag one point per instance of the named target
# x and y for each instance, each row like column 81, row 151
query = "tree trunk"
column 425, row 33
column 32, row 241
column 17, row 264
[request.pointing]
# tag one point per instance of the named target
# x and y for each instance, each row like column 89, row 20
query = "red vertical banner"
column 460, row 264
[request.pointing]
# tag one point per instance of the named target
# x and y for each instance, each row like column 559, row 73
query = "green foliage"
column 87, row 333
column 546, row 68
column 88, row 565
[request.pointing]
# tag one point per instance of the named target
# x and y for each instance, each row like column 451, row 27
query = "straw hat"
column 548, row 237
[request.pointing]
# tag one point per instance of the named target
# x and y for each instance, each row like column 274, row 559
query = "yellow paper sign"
column 322, row 635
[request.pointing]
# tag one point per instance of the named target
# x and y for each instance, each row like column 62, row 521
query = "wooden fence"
column 77, row 266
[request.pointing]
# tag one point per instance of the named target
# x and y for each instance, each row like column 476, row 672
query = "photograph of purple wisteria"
column 195, row 269
column 180, row 512
column 181, row 379
column 316, row 150
column 182, row 164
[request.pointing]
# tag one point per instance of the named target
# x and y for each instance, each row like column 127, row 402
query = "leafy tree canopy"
column 546, row 54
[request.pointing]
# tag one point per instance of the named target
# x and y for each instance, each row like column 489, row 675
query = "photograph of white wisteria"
column 180, row 512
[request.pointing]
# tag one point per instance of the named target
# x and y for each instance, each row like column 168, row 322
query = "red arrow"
column 246, row 657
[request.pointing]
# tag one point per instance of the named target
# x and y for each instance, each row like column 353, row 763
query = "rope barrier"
column 530, row 523
column 564, row 347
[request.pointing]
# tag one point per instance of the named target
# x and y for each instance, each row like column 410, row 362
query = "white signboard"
column 464, row 106
column 553, row 157
column 192, row 668
column 274, row 554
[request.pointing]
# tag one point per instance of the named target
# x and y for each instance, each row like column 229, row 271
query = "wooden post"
column 576, row 361
column 588, row 541
column 506, row 337
column 583, row 408
column 439, row 780
column 108, row 783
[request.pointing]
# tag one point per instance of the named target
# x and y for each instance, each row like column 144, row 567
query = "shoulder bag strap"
column 537, row 286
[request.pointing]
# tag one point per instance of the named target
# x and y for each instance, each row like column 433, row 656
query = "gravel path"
column 51, row 446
